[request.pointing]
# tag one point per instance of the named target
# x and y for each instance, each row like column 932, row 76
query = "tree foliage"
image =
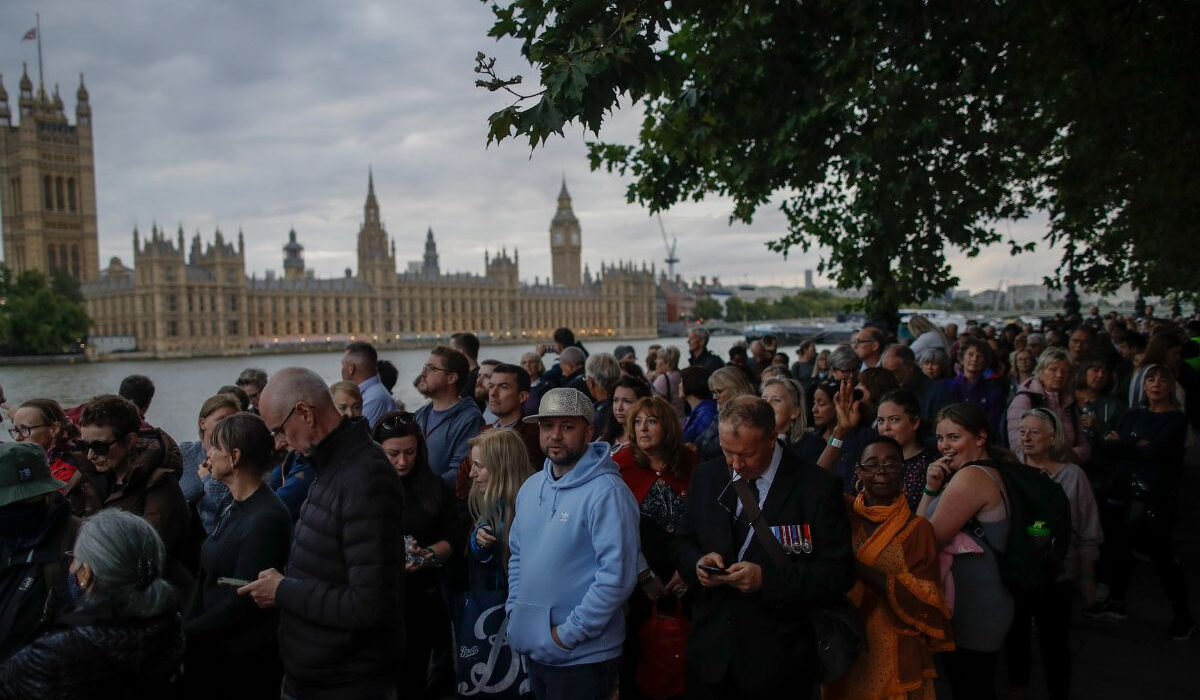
column 37, row 317
column 892, row 131
column 806, row 304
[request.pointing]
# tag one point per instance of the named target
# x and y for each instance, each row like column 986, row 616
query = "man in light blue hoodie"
column 574, row 547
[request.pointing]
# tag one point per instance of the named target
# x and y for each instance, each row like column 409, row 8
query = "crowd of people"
column 865, row 520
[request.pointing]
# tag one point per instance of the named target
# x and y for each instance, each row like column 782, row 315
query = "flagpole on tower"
column 41, row 79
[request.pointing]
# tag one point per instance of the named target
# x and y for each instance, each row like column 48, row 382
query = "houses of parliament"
column 195, row 297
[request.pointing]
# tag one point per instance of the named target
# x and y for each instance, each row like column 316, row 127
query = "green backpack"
column 1039, row 533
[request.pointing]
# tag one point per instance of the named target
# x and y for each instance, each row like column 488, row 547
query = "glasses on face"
column 881, row 468
column 24, row 431
column 277, row 430
column 100, row 447
column 397, row 420
column 432, row 368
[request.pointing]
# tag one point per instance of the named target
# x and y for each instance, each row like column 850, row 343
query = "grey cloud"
column 266, row 116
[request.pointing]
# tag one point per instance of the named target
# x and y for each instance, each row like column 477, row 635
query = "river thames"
column 182, row 385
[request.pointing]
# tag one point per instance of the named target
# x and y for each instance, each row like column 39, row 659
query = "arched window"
column 71, row 193
column 48, row 192
column 52, row 261
column 62, row 258
column 58, row 189
column 75, row 260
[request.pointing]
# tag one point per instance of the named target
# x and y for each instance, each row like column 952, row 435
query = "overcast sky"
column 265, row 116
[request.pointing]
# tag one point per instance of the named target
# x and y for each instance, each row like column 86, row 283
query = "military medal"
column 790, row 537
column 806, row 543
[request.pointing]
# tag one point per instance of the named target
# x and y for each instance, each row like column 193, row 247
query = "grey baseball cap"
column 563, row 402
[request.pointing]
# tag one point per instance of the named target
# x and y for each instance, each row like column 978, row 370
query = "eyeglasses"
column 861, row 341
column 25, row 431
column 279, row 428
column 397, row 420
column 100, row 447
column 737, row 517
column 881, row 468
column 432, row 368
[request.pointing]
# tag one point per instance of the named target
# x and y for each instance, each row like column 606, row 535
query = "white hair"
column 126, row 558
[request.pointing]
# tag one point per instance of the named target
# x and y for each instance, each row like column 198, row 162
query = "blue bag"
column 486, row 665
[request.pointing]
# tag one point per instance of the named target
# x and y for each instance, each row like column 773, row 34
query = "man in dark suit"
column 752, row 634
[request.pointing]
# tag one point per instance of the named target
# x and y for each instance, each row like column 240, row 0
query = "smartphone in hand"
column 714, row 570
column 235, row 582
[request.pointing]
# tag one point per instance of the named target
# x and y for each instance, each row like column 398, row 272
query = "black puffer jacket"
column 91, row 654
column 341, row 627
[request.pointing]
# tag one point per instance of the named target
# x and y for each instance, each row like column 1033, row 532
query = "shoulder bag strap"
column 751, row 510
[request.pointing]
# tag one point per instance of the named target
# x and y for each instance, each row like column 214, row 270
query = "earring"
column 859, row 486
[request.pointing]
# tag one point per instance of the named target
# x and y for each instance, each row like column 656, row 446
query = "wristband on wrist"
column 645, row 577
column 834, row 442
column 932, row 494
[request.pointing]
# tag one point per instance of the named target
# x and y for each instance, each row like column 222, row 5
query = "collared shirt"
column 376, row 400
column 764, row 487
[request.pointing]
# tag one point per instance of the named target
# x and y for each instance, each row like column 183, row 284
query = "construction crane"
column 671, row 259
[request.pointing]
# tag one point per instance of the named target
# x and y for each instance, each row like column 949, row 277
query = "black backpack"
column 1039, row 533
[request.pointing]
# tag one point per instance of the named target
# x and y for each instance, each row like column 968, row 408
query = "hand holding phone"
column 235, row 582
column 713, row 570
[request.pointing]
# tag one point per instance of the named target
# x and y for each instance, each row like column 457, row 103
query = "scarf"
column 891, row 518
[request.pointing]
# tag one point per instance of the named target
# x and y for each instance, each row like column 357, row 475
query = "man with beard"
column 450, row 419
column 574, row 546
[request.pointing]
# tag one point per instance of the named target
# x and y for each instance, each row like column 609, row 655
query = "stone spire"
column 430, row 266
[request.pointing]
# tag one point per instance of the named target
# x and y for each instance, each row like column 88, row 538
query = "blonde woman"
column 786, row 397
column 347, row 397
column 726, row 384
column 925, row 334
column 668, row 382
column 499, row 465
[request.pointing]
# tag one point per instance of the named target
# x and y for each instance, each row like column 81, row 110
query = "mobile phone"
column 235, row 582
column 714, row 570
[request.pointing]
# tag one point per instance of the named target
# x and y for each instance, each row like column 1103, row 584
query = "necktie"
column 741, row 523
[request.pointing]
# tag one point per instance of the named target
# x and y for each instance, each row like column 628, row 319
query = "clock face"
column 558, row 238
column 574, row 239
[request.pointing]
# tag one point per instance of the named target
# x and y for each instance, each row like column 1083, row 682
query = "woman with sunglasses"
column 965, row 486
column 897, row 592
column 227, row 632
column 432, row 533
column 43, row 423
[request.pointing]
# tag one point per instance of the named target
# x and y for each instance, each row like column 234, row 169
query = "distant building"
column 47, row 184
column 177, row 301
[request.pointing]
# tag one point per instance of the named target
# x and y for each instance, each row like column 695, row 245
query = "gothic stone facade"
column 178, row 301
column 47, row 184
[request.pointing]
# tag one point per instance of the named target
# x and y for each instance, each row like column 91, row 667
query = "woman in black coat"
column 433, row 532
column 231, row 644
column 122, row 638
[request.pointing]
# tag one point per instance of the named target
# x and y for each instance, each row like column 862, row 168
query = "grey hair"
column 292, row 385
column 1049, row 356
column 126, row 558
column 701, row 333
column 603, row 369
column 843, row 358
column 795, row 390
column 1058, row 448
column 572, row 355
column 937, row 355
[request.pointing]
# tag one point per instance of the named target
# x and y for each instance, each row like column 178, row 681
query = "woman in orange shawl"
column 897, row 592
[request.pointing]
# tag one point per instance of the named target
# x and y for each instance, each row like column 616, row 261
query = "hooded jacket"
column 574, row 547
column 152, row 490
column 447, row 440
